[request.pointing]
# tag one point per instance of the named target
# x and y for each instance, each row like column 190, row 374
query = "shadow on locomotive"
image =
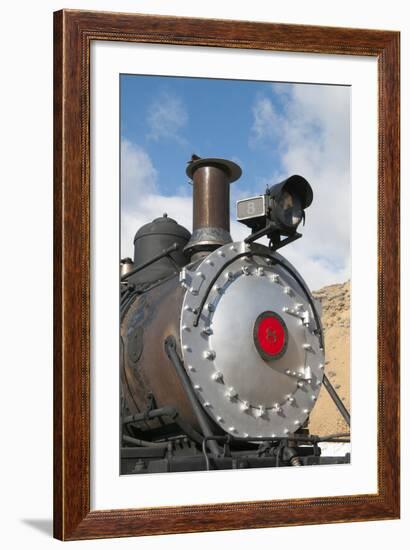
column 222, row 348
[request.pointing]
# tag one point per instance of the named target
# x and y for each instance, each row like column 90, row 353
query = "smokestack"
column 211, row 180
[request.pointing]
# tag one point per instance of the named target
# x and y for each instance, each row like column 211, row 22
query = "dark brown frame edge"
column 73, row 33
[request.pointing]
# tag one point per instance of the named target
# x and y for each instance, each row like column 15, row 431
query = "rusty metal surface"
column 211, row 182
column 211, row 198
column 153, row 316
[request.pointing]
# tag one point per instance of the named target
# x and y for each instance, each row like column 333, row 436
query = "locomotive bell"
column 126, row 265
column 211, row 180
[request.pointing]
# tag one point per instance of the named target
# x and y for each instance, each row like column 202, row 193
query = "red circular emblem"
column 270, row 335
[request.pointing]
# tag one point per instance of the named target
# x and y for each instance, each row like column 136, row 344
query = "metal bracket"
column 336, row 399
column 268, row 231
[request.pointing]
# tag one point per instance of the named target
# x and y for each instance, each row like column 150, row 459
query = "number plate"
column 254, row 207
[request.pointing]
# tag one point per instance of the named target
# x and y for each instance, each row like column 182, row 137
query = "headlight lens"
column 288, row 209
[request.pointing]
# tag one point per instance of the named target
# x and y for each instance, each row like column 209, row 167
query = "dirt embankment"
column 335, row 300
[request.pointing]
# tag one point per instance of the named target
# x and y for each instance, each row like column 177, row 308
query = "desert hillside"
column 335, row 300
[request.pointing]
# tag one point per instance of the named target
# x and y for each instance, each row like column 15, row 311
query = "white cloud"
column 167, row 116
column 138, row 175
column 266, row 120
column 141, row 201
column 311, row 134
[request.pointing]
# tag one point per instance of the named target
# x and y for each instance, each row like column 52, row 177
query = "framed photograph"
column 226, row 275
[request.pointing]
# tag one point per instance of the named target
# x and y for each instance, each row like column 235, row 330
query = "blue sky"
column 216, row 119
column 272, row 130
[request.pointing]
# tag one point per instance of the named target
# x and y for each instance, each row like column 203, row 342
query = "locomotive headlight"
column 288, row 201
column 279, row 211
column 288, row 209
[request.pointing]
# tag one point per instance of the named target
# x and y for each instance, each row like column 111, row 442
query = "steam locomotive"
column 222, row 349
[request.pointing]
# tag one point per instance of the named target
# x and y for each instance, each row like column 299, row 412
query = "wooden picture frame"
column 74, row 32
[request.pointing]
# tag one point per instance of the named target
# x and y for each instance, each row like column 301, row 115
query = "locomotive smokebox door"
column 251, row 342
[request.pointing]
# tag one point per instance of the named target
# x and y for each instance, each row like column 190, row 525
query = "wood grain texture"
column 73, row 33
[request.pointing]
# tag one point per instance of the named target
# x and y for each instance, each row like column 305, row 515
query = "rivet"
column 288, row 372
column 305, row 411
column 245, row 434
column 245, row 406
column 207, row 404
column 321, row 366
column 232, row 248
column 232, row 429
column 245, row 270
column 300, row 384
column 217, row 288
column 217, row 376
column 197, row 387
column 219, row 419
column 291, row 399
column 193, row 291
column 183, row 275
column 319, row 383
column 210, row 307
column 206, row 331
column 191, row 368
column 307, row 347
column 294, row 373
column 186, row 348
column 261, row 411
column 287, row 290
column 209, row 262
column 200, row 274
column 285, row 310
column 209, row 354
column 285, row 431
column 297, row 422
column 268, row 260
column 261, row 271
column 277, row 408
column 313, row 398
column 275, row 278
column 221, row 253
column 231, row 393
column 185, row 327
column 300, row 375
column 229, row 275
